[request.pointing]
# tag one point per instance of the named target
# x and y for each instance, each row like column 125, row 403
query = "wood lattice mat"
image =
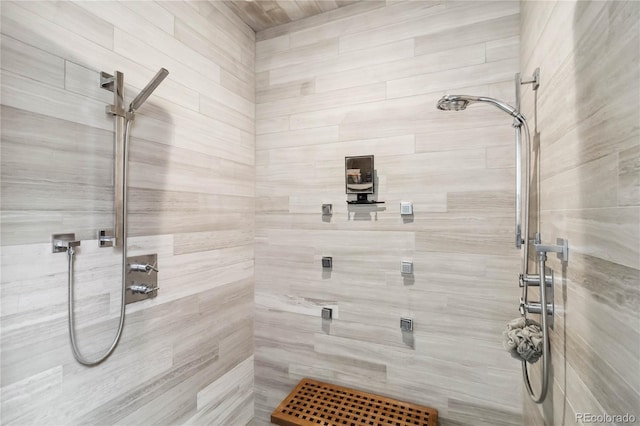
column 318, row 403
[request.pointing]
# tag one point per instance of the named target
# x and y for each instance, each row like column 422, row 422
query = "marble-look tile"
column 609, row 233
column 629, row 177
column 191, row 201
column 221, row 33
column 392, row 70
column 204, row 241
column 590, row 185
column 317, row 101
column 373, row 56
column 286, row 90
column 440, row 17
column 505, row 48
column 39, row 386
column 20, row 58
column 458, row 171
column 587, row 150
column 72, row 16
column 316, row 136
column 271, row 125
column 316, row 20
column 240, row 377
column 230, row 60
column 462, row 412
column 315, row 52
column 216, row 109
column 23, row 93
column 484, row 31
column 368, row 20
column 153, row 13
column 472, row 75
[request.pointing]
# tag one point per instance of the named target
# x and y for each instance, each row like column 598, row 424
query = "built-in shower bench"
column 317, row 403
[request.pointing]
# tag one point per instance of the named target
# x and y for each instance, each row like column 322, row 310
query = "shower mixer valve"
column 142, row 278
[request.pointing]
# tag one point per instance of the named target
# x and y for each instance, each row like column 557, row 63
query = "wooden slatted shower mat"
column 317, row 403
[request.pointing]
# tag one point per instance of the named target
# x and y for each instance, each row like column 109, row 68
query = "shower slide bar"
column 523, row 167
column 115, row 84
column 123, row 119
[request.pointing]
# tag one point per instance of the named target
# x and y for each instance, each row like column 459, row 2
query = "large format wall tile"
column 366, row 81
column 585, row 121
column 187, row 355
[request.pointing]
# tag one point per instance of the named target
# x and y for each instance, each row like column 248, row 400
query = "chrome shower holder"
column 535, row 79
column 61, row 243
column 534, row 82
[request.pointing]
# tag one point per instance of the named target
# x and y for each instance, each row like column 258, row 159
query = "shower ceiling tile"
column 260, row 15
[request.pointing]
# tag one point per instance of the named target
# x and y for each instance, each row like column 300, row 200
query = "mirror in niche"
column 359, row 175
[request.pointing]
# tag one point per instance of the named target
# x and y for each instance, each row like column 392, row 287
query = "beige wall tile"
column 587, row 152
column 392, row 70
column 191, row 188
column 484, row 31
column 20, row 58
column 455, row 168
column 440, row 17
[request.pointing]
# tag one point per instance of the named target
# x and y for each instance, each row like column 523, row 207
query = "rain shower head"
column 149, row 88
column 460, row 102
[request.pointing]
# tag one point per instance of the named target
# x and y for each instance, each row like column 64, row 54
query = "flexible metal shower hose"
column 70, row 281
column 543, row 285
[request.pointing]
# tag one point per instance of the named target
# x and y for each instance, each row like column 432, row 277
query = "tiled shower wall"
column 186, row 355
column 364, row 79
column 586, row 125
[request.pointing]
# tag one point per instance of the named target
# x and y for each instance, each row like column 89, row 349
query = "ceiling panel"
column 263, row 14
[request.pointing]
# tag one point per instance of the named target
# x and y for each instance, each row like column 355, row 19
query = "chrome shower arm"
column 501, row 105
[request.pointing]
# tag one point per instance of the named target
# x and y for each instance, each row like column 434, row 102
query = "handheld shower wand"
column 459, row 103
column 123, row 120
